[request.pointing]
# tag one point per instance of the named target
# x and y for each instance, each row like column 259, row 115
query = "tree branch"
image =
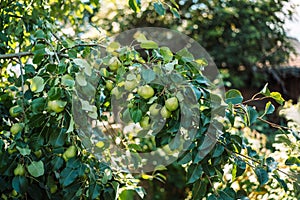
column 15, row 55
column 27, row 53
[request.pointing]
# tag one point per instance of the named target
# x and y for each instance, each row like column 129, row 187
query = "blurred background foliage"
column 242, row 36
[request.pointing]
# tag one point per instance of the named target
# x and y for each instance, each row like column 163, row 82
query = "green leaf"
column 149, row 44
column 140, row 37
column 160, row 168
column 85, row 105
column 175, row 142
column 241, row 164
column 20, row 184
column 175, row 12
column 140, row 191
column 68, row 176
column 80, row 79
column 24, row 151
column 57, row 138
column 16, row 110
column 135, row 147
column 199, row 189
column 36, row 169
column 94, row 190
column 39, row 50
column 55, row 93
column 126, row 194
column 71, row 125
column 135, row 5
column 174, row 3
column 166, row 54
column 212, row 197
column 277, row 97
column 252, row 153
column 227, row 194
column 194, row 173
column 269, row 108
column 218, row 151
column 271, row 164
column 57, row 163
column 68, row 81
column 292, row 161
column 185, row 55
column 241, row 167
column 186, row 158
column 68, row 43
column 233, row 96
column 39, row 34
column 38, row 105
column 281, row 182
column 136, row 115
column 29, row 69
column 251, row 115
column 262, row 175
column 265, row 91
column 72, row 53
column 159, row 8
column 113, row 46
column 37, row 84
column 83, row 64
column 148, row 75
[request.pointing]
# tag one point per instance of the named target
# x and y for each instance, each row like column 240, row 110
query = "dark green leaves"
column 218, row 151
column 251, row 115
column 175, row 12
column 194, row 173
column 227, row 194
column 233, row 96
column 281, row 182
column 68, row 176
column 199, row 189
column 20, row 184
column 57, row 137
column 262, row 175
column 269, row 108
column 159, row 8
column 136, row 115
column 293, row 161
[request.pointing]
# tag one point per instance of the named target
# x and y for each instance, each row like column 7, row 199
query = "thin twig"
column 255, row 99
column 212, row 186
column 83, row 45
column 273, row 124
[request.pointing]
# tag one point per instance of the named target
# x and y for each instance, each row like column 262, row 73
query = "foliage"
column 240, row 35
column 43, row 151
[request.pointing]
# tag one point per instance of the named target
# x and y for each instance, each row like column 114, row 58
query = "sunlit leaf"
column 36, row 168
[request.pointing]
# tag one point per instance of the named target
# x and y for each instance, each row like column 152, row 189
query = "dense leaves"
column 52, row 85
column 241, row 35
